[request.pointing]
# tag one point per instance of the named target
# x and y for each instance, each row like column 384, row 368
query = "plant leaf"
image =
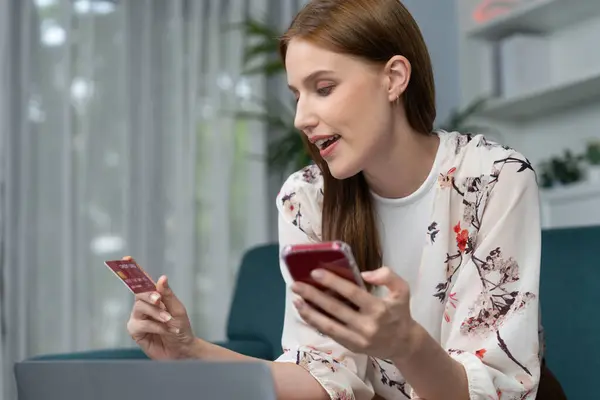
column 257, row 28
column 268, row 68
column 288, row 150
column 258, row 50
column 457, row 118
column 253, row 27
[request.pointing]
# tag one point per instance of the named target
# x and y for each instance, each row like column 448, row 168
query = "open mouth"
column 322, row 144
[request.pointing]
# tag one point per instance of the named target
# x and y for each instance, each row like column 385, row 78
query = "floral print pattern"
column 305, row 358
column 343, row 395
column 386, row 379
column 475, row 269
column 432, row 231
column 495, row 302
column 292, row 209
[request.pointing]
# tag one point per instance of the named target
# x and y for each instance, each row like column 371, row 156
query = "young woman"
column 444, row 225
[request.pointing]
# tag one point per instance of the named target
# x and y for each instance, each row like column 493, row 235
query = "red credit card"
column 134, row 277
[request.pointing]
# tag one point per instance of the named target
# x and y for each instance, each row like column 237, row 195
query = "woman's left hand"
column 382, row 327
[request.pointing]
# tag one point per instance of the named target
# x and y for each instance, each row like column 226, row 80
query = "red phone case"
column 335, row 256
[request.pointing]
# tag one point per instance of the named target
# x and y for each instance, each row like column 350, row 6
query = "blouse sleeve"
column 491, row 323
column 341, row 372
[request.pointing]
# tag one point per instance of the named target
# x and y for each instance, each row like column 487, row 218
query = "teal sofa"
column 570, row 295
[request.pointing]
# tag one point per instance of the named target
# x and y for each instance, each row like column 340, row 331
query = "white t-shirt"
column 402, row 224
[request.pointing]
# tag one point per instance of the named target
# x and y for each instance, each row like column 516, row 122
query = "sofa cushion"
column 570, row 295
column 258, row 305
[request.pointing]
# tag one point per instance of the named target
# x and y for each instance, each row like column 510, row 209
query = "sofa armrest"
column 249, row 347
column 133, row 353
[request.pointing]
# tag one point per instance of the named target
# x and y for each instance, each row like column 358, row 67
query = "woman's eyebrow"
column 312, row 77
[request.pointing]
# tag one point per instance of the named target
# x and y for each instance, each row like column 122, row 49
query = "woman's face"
column 344, row 105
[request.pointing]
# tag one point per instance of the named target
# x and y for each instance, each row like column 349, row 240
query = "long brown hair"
column 374, row 30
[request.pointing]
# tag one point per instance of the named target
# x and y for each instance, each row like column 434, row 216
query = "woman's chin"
column 341, row 170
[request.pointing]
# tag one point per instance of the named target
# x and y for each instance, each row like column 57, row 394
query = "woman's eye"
column 325, row 91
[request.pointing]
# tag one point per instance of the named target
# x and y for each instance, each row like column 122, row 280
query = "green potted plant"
column 563, row 170
column 546, row 175
column 592, row 157
column 261, row 57
column 567, row 169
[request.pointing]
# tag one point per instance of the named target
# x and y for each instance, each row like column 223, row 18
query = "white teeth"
column 319, row 143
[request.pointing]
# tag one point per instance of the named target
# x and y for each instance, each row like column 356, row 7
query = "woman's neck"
column 403, row 166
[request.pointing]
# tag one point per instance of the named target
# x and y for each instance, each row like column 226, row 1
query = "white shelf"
column 543, row 102
column 572, row 192
column 538, row 16
column 570, row 206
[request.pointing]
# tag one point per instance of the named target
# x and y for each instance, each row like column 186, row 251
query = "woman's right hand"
column 159, row 324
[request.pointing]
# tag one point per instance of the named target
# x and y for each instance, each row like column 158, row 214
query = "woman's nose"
column 305, row 120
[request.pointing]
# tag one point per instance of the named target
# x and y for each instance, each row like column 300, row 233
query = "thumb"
column 174, row 306
column 384, row 276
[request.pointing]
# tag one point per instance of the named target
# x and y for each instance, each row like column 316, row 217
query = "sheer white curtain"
column 117, row 138
column 4, row 124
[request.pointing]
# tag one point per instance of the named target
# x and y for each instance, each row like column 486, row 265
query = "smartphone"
column 335, row 256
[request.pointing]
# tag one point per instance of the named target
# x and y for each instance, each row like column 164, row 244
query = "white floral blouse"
column 480, row 266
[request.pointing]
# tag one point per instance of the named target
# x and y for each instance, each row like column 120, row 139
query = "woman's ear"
column 398, row 71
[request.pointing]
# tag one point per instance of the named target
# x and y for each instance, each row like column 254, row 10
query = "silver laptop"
column 143, row 380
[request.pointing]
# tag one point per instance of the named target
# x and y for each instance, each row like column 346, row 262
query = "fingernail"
column 166, row 317
column 298, row 303
column 174, row 330
column 317, row 274
column 154, row 297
